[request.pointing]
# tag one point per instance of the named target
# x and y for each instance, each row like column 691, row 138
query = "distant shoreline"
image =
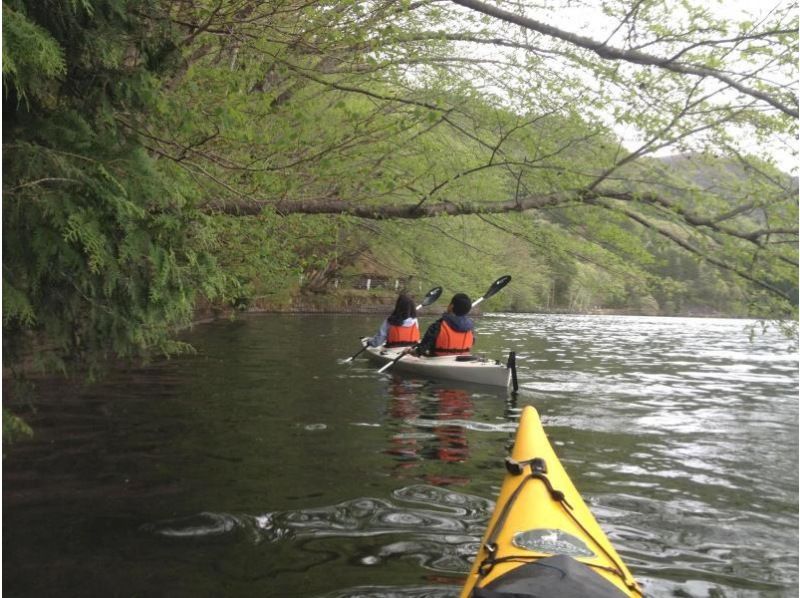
column 310, row 308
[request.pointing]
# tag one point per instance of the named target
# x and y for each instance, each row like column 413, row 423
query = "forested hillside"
column 561, row 260
column 159, row 155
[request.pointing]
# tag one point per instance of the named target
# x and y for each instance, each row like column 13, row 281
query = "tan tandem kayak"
column 463, row 368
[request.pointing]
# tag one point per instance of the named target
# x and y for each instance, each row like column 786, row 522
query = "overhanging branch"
column 337, row 206
column 381, row 211
column 685, row 244
column 632, row 56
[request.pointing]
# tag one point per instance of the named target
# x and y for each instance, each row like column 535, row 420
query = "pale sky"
column 595, row 25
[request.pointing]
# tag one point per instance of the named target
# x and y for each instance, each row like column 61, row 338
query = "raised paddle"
column 497, row 285
column 429, row 298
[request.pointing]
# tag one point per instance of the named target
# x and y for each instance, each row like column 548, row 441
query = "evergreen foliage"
column 100, row 252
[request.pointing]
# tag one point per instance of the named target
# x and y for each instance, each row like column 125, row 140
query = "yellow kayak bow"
column 542, row 540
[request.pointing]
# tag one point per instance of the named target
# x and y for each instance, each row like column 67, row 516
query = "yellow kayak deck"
column 541, row 523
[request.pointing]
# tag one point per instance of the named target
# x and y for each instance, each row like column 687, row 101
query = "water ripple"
column 475, row 426
column 442, row 537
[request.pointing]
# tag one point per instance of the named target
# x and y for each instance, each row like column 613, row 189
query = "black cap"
column 461, row 304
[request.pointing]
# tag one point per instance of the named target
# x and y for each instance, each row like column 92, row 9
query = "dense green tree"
column 101, row 257
column 160, row 154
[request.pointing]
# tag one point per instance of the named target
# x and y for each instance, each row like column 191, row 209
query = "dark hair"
column 404, row 308
column 461, row 304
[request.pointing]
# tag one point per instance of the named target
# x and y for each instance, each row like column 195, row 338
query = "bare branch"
column 43, row 181
column 383, row 211
column 632, row 56
column 688, row 246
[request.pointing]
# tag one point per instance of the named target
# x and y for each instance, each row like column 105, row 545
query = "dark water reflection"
column 264, row 466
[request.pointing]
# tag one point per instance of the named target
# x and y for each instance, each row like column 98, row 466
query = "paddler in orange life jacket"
column 452, row 334
column 401, row 328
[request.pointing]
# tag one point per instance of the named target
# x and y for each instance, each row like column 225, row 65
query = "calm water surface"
column 263, row 466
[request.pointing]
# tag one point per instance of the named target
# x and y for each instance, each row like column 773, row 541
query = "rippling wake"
column 438, row 528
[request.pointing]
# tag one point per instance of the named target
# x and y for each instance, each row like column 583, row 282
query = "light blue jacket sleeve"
column 380, row 338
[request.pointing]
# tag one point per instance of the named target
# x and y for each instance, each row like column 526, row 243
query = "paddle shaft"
column 352, row 357
column 396, row 359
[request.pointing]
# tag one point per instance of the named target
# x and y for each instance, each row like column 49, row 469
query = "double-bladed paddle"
column 496, row 286
column 429, row 298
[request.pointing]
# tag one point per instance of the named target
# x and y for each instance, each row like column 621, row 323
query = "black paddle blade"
column 497, row 285
column 432, row 296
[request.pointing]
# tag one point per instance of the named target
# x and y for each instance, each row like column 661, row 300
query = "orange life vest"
column 450, row 341
column 402, row 336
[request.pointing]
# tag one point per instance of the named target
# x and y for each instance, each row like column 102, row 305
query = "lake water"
column 264, row 466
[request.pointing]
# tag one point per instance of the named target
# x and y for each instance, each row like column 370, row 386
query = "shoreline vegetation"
column 381, row 303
